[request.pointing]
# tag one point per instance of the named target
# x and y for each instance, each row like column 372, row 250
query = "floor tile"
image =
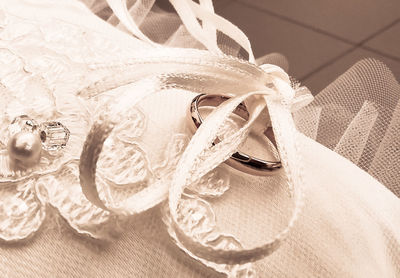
column 305, row 49
column 387, row 42
column 220, row 4
column 167, row 6
column 323, row 78
column 353, row 20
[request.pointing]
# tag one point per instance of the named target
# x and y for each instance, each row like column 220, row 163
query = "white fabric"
column 349, row 226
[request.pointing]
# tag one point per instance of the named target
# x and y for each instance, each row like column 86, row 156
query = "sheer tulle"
column 161, row 26
column 357, row 116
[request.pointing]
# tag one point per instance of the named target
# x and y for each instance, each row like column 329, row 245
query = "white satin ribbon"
column 189, row 13
column 190, row 167
column 209, row 28
column 198, row 159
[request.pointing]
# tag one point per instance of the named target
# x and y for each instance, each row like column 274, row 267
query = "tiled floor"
column 321, row 39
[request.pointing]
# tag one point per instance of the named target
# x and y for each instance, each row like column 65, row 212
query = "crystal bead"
column 22, row 123
column 54, row 136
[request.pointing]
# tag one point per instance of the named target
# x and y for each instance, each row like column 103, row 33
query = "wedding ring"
column 240, row 161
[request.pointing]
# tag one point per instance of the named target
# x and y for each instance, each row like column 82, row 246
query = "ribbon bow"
column 198, row 158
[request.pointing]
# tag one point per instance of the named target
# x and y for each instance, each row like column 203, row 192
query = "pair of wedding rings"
column 240, row 161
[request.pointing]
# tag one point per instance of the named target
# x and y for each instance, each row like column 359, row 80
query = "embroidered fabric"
column 27, row 57
column 88, row 71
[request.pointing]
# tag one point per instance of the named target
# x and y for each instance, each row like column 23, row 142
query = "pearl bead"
column 24, row 148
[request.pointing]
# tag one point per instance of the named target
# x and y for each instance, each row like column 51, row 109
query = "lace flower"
column 27, row 192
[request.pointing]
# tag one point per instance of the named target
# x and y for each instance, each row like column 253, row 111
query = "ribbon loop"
column 190, row 12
